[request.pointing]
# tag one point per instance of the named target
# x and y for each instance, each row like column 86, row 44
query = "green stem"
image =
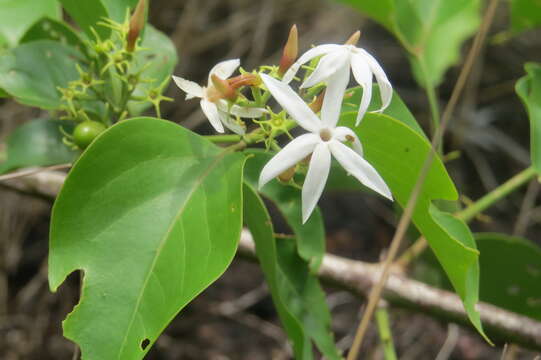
column 384, row 329
column 229, row 138
column 434, row 108
column 497, row 194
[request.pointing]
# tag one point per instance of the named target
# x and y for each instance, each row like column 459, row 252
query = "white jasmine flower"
column 215, row 108
column 335, row 63
column 324, row 139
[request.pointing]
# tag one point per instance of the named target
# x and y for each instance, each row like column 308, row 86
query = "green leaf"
column 398, row 153
column 297, row 295
column 50, row 29
column 117, row 9
column 525, row 15
column 529, row 90
column 510, row 273
column 18, row 15
column 310, row 237
column 152, row 214
column 38, row 143
column 32, row 72
column 396, row 109
column 432, row 31
column 160, row 60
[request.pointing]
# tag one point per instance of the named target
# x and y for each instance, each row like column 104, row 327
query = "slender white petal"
column 292, row 103
column 211, row 112
column 363, row 75
column 342, row 134
column 314, row 183
column 334, row 95
column 327, row 66
column 385, row 87
column 224, row 69
column 189, row 87
column 231, row 124
column 359, row 167
column 291, row 154
column 247, row 112
column 307, row 56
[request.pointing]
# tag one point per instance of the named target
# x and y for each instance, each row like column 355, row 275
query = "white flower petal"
column 307, row 56
column 292, row 103
column 327, row 66
column 363, row 75
column 247, row 112
column 385, row 87
column 189, row 87
column 231, row 124
column 224, row 69
column 334, row 95
column 359, row 167
column 291, row 154
column 314, row 183
column 342, row 133
column 211, row 112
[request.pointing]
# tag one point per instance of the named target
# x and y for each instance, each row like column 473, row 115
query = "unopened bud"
column 137, row 22
column 244, row 80
column 288, row 174
column 223, row 88
column 291, row 50
column 354, row 39
column 317, row 103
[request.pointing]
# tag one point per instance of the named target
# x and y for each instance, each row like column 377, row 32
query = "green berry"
column 86, row 132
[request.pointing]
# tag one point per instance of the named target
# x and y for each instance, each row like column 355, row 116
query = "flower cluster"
column 221, row 100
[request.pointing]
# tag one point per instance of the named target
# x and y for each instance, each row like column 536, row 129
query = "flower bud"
column 224, row 89
column 291, row 50
column 288, row 174
column 317, row 103
column 244, row 80
column 354, row 39
column 137, row 22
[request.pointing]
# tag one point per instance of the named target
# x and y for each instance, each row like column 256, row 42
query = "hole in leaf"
column 533, row 270
column 145, row 343
column 513, row 290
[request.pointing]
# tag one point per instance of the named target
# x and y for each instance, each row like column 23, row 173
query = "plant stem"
column 434, row 110
column 229, row 138
column 384, row 329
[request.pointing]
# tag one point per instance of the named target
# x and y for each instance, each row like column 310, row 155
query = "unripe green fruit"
column 86, row 132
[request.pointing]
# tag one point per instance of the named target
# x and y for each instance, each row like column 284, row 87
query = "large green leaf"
column 398, row 153
column 33, row 71
column 431, row 30
column 296, row 292
column 16, row 16
column 152, row 214
column 529, row 90
column 525, row 14
column 310, row 236
column 511, row 273
column 38, row 143
column 50, row 29
column 159, row 58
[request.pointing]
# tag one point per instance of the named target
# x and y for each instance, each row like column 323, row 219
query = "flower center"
column 325, row 134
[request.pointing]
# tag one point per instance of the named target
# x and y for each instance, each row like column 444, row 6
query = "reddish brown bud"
column 288, row 174
column 317, row 103
column 354, row 39
column 223, row 88
column 291, row 50
column 244, row 80
column 137, row 23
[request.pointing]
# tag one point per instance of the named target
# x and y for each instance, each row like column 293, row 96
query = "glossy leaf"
column 310, row 236
column 17, row 16
column 32, row 72
column 398, row 153
column 529, row 90
column 297, row 295
column 511, row 273
column 38, row 143
column 396, row 109
column 432, row 31
column 525, row 14
column 50, row 29
column 160, row 59
column 152, row 214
